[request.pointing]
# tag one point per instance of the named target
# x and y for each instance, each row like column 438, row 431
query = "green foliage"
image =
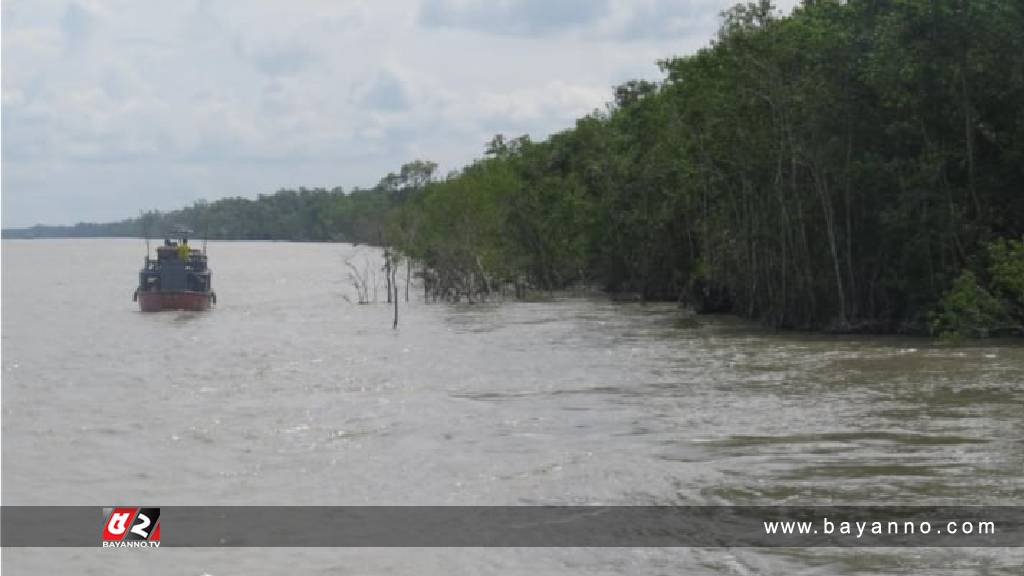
column 836, row 168
column 1006, row 266
column 970, row 309
column 842, row 167
column 1006, row 270
column 307, row 215
column 967, row 310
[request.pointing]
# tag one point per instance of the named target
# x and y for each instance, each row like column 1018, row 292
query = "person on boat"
column 183, row 250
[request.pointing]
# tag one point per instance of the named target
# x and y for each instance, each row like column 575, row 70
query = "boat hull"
column 185, row 300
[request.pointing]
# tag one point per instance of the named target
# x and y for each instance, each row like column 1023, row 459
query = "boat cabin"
column 177, row 267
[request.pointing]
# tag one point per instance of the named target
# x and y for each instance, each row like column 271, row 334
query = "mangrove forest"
column 852, row 166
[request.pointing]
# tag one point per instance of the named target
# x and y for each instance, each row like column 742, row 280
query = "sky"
column 111, row 107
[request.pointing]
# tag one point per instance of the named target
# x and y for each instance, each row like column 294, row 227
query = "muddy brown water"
column 288, row 393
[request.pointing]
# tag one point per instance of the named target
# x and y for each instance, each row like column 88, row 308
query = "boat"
column 177, row 279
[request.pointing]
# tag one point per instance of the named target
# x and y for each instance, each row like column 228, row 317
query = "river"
column 288, row 393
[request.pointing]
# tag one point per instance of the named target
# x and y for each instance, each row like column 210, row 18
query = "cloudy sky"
column 114, row 106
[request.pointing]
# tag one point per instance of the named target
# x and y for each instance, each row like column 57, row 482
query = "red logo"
column 131, row 527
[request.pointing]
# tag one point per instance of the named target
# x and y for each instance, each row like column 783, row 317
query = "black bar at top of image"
column 521, row 526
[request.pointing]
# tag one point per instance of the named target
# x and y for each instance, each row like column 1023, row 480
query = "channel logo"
column 131, row 527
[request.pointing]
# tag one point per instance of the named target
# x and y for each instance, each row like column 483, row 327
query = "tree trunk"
column 394, row 325
column 387, row 271
column 408, row 276
column 826, row 206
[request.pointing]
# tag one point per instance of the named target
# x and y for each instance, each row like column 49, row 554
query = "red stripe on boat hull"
column 157, row 301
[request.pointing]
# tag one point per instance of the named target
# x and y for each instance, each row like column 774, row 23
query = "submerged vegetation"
column 854, row 166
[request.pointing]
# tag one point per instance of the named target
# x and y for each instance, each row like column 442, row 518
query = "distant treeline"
column 857, row 165
column 300, row 215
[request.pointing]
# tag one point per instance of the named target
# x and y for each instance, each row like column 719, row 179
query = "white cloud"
column 513, row 17
column 112, row 106
column 531, row 104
